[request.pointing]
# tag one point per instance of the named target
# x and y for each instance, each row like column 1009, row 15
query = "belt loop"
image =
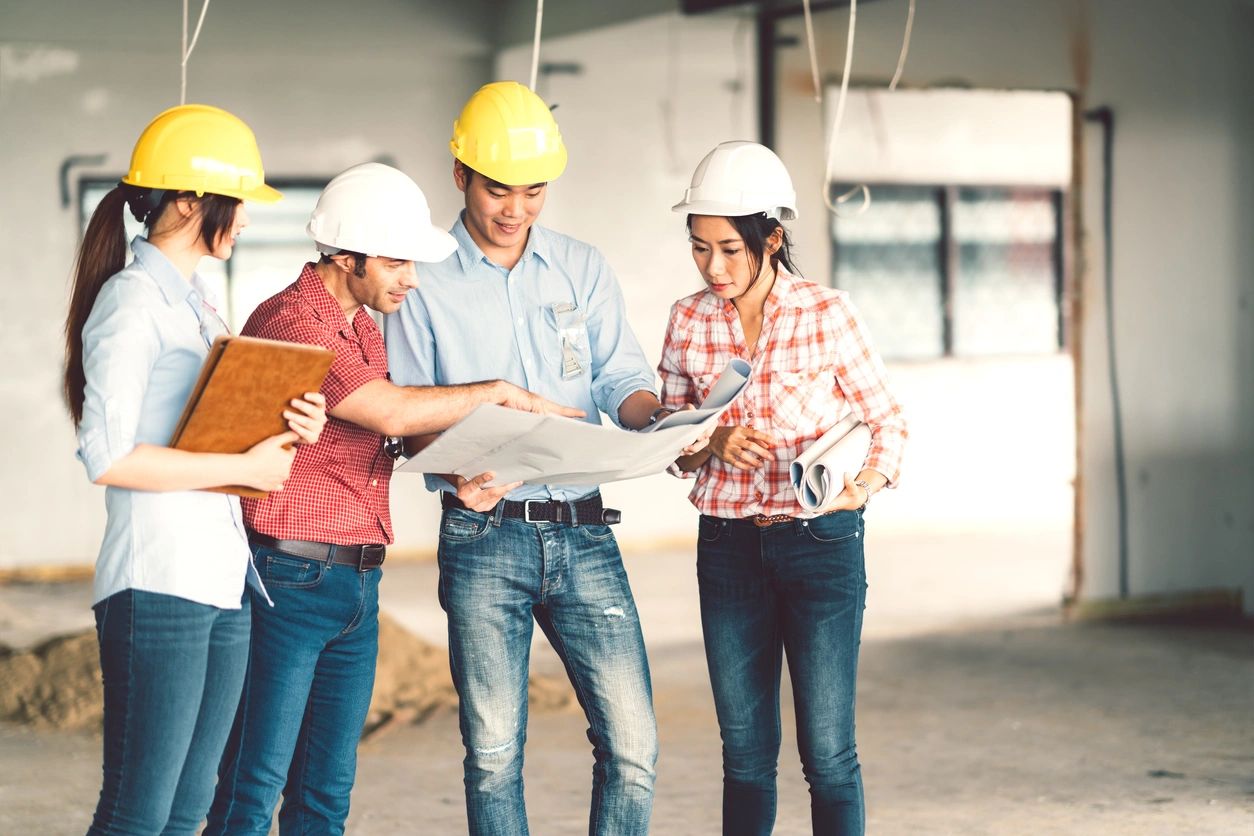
column 330, row 558
column 497, row 513
column 574, row 514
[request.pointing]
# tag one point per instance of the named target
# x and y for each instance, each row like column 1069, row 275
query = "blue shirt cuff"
column 93, row 452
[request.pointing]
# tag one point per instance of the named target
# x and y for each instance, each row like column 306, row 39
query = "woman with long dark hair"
column 775, row 579
column 172, row 616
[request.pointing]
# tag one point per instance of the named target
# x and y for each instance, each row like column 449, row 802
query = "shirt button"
column 519, row 320
column 374, row 483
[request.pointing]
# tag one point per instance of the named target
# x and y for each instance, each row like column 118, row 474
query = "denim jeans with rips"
column 499, row 577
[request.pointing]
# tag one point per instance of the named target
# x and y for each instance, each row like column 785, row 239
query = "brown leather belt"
column 589, row 511
column 362, row 558
column 766, row 521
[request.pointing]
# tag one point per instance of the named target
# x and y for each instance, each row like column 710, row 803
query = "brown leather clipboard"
column 239, row 398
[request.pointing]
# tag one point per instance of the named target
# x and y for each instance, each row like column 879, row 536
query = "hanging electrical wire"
column 187, row 50
column 833, row 205
column 535, row 45
column 667, row 105
column 741, row 83
column 905, row 48
column 814, row 54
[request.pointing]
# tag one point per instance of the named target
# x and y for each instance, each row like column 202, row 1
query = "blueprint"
column 550, row 449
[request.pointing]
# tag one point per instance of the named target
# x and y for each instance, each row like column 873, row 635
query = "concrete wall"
column 1184, row 189
column 654, row 95
column 324, row 85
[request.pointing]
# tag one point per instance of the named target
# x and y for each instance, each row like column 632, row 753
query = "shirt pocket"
column 799, row 399
column 568, row 341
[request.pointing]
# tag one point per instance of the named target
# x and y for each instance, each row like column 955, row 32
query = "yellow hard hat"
column 201, row 149
column 507, row 133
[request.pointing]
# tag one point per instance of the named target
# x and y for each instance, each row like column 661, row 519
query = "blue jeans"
column 799, row 588
column 172, row 673
column 496, row 576
column 310, row 677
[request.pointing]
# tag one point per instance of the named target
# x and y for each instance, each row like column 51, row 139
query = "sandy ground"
column 979, row 711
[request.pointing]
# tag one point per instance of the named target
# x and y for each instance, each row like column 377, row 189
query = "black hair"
column 754, row 230
column 359, row 262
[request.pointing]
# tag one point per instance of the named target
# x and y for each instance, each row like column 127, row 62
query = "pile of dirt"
column 57, row 683
column 53, row 685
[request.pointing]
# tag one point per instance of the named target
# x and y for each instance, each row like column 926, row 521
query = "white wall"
column 323, row 84
column 1175, row 75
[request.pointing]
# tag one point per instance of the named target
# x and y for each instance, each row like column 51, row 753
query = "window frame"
column 946, row 195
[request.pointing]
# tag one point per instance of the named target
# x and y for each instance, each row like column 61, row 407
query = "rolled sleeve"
column 678, row 388
column 619, row 367
column 861, row 375
column 120, row 348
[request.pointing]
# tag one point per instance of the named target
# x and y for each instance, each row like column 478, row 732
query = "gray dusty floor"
column 978, row 712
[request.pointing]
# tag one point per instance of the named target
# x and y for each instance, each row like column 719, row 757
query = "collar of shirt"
column 173, row 286
column 469, row 254
column 781, row 296
column 325, row 306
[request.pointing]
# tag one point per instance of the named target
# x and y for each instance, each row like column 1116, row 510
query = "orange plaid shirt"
column 814, row 365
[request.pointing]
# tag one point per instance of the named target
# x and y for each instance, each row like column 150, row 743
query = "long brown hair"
column 103, row 253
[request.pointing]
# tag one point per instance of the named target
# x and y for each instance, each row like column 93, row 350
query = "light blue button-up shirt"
column 144, row 342
column 555, row 324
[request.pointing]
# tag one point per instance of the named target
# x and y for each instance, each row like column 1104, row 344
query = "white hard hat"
column 740, row 178
column 375, row 209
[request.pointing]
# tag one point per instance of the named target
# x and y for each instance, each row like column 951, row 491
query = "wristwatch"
column 862, row 483
column 657, row 414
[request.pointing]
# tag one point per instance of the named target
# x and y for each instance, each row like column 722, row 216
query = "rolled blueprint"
column 725, row 390
column 818, row 473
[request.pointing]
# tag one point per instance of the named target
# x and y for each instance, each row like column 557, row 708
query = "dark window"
column 955, row 271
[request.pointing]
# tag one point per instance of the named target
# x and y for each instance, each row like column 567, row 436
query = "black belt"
column 361, row 558
column 589, row 511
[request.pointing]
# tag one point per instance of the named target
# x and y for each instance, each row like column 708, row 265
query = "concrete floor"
column 979, row 712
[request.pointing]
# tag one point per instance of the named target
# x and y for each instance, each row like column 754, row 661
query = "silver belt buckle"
column 527, row 509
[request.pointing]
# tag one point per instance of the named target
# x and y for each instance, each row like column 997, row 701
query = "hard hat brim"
column 429, row 247
column 263, row 194
column 435, row 246
column 728, row 210
column 258, row 194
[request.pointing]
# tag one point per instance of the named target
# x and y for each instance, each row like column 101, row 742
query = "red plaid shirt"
column 338, row 490
column 815, row 363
